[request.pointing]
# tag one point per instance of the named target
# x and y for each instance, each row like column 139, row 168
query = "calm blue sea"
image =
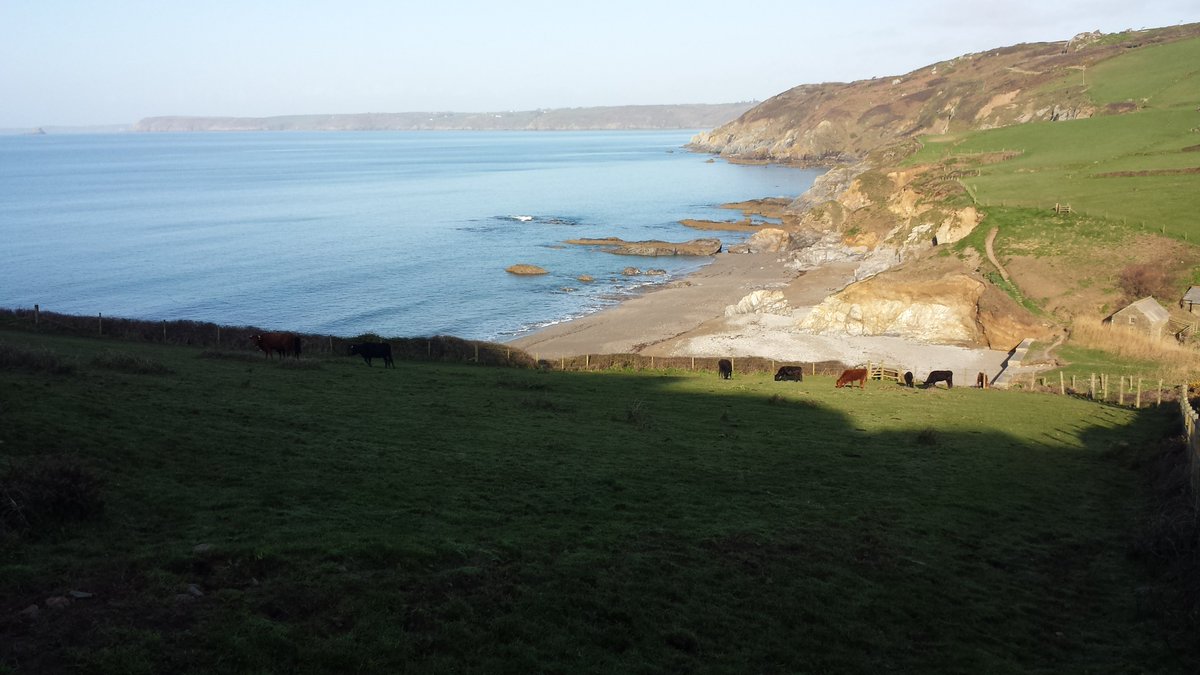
column 400, row 234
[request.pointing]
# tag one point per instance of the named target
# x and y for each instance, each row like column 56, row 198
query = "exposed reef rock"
column 525, row 270
column 652, row 248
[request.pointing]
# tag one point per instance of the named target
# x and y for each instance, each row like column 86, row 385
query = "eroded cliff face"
column 935, row 300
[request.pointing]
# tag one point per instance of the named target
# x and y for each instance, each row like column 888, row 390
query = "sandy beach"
column 686, row 317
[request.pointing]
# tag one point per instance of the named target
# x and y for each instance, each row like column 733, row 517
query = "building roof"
column 1192, row 295
column 1149, row 308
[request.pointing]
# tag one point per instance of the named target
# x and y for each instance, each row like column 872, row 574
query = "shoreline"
column 686, row 317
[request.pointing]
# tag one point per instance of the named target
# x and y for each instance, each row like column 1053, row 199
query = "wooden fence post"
column 587, row 361
column 164, row 332
column 1121, row 392
column 1160, row 392
column 1062, row 387
column 37, row 315
column 1092, row 387
column 218, row 335
column 1138, row 403
column 693, row 363
column 476, row 352
column 100, row 323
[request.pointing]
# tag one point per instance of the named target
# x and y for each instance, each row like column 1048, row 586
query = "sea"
column 345, row 233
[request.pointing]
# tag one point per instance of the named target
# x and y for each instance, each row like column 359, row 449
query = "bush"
column 35, row 360
column 1139, row 281
column 49, row 492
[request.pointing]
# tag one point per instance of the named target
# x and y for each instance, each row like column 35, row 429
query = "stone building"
column 1145, row 315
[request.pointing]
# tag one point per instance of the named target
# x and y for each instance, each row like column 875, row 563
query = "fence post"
column 1092, row 388
column 1121, row 392
column 1138, row 400
column 693, row 363
column 218, row 335
column 1062, row 387
column 587, row 361
column 476, row 352
column 37, row 311
column 1159, row 392
column 100, row 323
column 164, row 332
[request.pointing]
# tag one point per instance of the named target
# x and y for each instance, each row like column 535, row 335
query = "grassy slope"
column 1063, row 161
column 440, row 518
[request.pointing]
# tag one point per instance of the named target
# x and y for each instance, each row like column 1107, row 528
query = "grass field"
column 1139, row 169
column 329, row 517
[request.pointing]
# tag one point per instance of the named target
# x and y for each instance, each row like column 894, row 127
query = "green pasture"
column 1074, row 162
column 323, row 516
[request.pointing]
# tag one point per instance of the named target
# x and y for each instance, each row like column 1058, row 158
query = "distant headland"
column 688, row 116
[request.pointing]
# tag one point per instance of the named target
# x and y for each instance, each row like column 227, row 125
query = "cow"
column 373, row 350
column 851, row 376
column 908, row 379
column 936, row 376
column 283, row 344
column 725, row 368
column 791, row 373
column 981, row 381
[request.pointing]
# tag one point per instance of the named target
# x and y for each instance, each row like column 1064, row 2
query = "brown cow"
column 936, row 376
column 283, row 344
column 725, row 368
column 851, row 376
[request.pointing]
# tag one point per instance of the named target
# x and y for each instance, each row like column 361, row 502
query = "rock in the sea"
column 761, row 302
column 631, row 271
column 706, row 246
column 655, row 272
column 585, row 278
column 526, row 270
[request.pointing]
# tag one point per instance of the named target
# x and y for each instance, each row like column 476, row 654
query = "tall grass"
column 1175, row 363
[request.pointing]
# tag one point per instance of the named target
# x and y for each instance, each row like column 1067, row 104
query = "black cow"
column 908, row 379
column 725, row 368
column 372, row 350
column 981, row 381
column 791, row 373
column 936, row 376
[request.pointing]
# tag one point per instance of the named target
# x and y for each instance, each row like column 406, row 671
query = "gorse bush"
column 33, row 360
column 46, row 493
column 128, row 363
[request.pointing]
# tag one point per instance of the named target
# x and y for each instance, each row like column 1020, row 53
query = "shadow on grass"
column 456, row 518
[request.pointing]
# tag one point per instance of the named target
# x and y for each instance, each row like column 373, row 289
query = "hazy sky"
column 83, row 62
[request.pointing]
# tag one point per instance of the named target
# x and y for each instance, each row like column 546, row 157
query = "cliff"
column 824, row 124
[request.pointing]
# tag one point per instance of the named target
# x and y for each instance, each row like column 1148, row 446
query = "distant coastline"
column 623, row 118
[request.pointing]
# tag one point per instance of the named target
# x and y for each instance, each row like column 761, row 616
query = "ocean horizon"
column 393, row 233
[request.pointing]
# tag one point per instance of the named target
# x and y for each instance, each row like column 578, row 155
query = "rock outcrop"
column 525, row 270
column 761, row 302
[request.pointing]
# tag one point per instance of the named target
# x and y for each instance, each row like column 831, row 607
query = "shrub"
column 128, row 363
column 1139, row 281
column 46, row 493
column 35, row 360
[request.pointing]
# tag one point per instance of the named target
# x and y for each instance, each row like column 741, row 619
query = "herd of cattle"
column 288, row 344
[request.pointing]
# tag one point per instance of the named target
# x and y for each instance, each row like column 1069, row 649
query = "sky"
column 83, row 62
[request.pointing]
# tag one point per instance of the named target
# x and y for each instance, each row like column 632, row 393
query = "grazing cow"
column 851, row 376
column 283, row 344
column 908, row 379
column 725, row 368
column 373, row 350
column 936, row 376
column 981, row 381
column 791, row 373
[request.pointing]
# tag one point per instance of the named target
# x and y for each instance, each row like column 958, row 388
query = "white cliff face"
column 942, row 311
